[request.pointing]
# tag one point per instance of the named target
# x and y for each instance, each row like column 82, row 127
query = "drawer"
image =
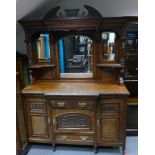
column 71, row 138
column 67, row 104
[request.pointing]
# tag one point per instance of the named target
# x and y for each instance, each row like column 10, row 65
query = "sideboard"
column 76, row 113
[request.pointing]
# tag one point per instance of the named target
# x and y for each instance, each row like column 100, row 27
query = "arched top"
column 57, row 12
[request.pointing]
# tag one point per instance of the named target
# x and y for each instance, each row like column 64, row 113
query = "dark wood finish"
column 110, row 121
column 91, row 26
column 132, row 116
column 22, row 70
column 85, row 111
column 38, row 66
column 130, row 34
column 37, row 119
column 110, row 65
column 21, row 138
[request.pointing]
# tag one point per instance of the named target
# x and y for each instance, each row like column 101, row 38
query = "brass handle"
column 49, row 120
column 98, row 123
column 83, row 138
column 82, row 104
column 54, row 121
column 60, row 104
column 63, row 137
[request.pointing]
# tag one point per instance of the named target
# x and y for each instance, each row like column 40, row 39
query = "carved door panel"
column 38, row 122
column 73, row 120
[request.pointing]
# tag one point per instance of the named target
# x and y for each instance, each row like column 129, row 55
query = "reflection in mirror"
column 108, row 46
column 75, row 56
column 43, row 47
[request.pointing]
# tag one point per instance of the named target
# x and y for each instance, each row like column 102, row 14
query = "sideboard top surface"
column 74, row 89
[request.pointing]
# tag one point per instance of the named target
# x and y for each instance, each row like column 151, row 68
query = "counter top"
column 74, row 89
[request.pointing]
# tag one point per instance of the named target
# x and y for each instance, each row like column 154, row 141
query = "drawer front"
column 68, row 104
column 71, row 138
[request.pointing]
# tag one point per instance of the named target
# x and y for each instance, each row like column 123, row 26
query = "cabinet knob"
column 60, row 104
column 82, row 104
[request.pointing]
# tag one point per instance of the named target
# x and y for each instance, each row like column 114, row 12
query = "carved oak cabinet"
column 81, row 106
column 88, row 114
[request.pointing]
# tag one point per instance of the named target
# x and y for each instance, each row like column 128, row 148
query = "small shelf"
column 132, row 101
column 38, row 66
column 119, row 66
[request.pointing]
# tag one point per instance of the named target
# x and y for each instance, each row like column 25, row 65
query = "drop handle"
column 83, row 138
column 60, row 104
column 63, row 137
column 82, row 104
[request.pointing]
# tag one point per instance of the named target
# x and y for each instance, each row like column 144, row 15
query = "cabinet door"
column 131, row 52
column 37, row 119
column 110, row 121
column 73, row 120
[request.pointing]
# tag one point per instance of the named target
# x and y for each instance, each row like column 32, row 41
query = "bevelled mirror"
column 75, row 56
column 108, row 46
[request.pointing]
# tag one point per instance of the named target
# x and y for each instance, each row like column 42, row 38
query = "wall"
column 38, row 8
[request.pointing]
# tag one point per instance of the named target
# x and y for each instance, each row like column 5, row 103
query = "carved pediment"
column 86, row 11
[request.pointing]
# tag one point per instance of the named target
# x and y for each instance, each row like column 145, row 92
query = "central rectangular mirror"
column 75, row 56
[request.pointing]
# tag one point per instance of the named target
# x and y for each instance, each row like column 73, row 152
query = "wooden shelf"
column 38, row 66
column 110, row 66
column 132, row 101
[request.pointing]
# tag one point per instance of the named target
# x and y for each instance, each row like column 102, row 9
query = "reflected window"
column 43, row 47
column 108, row 46
column 75, row 56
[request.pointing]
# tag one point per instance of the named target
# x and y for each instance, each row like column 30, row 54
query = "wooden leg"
column 53, row 147
column 95, row 149
column 123, row 150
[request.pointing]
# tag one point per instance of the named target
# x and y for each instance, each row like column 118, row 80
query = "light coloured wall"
column 29, row 9
column 20, row 45
column 38, row 8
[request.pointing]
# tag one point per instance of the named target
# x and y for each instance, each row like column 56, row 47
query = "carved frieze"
column 37, row 107
column 73, row 121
